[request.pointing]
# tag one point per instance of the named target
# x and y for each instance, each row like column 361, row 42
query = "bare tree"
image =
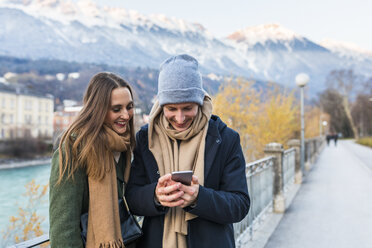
column 331, row 103
column 362, row 114
column 362, row 110
column 343, row 82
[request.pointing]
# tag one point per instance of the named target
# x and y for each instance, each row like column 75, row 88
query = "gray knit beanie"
column 180, row 81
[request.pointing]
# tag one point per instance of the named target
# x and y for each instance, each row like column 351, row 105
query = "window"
column 28, row 104
column 12, row 104
column 28, row 119
column 11, row 119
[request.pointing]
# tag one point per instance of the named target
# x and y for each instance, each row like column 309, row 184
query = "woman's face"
column 120, row 111
column 180, row 115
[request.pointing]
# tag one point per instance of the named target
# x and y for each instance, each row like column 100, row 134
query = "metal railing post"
column 296, row 144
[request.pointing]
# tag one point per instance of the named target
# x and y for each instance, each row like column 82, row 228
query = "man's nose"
column 180, row 117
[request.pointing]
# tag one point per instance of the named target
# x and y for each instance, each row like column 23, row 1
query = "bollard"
column 276, row 150
column 296, row 144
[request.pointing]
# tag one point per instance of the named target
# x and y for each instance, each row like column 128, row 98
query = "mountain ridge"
column 85, row 32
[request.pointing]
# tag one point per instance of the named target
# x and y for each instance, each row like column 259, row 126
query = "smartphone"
column 183, row 177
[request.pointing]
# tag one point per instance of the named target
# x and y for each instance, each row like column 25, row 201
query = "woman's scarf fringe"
column 112, row 244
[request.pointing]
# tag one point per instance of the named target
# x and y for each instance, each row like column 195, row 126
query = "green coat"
column 68, row 201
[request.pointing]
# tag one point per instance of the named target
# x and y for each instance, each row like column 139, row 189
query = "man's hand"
column 168, row 193
column 190, row 192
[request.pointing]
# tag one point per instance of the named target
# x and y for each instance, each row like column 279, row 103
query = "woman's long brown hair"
column 83, row 144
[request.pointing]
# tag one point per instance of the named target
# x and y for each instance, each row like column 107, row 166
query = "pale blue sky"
column 341, row 20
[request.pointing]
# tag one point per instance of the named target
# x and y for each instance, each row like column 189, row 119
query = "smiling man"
column 183, row 135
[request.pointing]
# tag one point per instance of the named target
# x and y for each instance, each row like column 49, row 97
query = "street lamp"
column 301, row 80
column 324, row 123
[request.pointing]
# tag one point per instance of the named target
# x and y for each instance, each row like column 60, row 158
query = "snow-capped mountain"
column 347, row 50
column 261, row 34
column 278, row 53
column 85, row 32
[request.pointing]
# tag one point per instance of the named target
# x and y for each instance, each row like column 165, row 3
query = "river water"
column 12, row 188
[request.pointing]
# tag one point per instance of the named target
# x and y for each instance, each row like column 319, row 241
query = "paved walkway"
column 333, row 207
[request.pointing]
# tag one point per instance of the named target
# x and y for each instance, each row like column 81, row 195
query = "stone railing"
column 260, row 178
column 289, row 168
column 33, row 242
column 312, row 149
column 268, row 179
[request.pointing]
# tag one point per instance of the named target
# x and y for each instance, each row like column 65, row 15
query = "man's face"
column 180, row 115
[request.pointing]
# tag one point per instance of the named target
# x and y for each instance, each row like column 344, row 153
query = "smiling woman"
column 120, row 111
column 92, row 165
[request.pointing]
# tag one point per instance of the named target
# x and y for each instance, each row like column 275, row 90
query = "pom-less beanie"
column 180, row 81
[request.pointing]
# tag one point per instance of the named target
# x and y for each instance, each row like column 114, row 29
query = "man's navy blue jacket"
column 222, row 200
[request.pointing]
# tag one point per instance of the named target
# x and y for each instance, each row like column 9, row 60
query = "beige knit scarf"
column 103, row 215
column 189, row 155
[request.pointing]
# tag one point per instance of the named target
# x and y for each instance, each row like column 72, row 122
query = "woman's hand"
column 168, row 193
column 190, row 192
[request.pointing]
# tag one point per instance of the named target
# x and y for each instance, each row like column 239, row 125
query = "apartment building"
column 63, row 118
column 24, row 113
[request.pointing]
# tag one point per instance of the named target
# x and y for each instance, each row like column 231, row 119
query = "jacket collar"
column 212, row 142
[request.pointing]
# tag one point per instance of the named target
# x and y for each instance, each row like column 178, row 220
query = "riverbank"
column 13, row 194
column 17, row 163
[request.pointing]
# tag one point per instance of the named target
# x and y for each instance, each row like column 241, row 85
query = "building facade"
column 63, row 118
column 25, row 114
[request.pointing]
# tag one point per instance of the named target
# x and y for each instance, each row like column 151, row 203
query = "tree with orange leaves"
column 259, row 117
column 27, row 224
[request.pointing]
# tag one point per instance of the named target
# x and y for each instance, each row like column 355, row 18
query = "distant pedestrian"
column 328, row 138
column 91, row 165
column 335, row 137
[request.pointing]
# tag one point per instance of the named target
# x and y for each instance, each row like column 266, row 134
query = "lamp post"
column 301, row 80
column 323, row 125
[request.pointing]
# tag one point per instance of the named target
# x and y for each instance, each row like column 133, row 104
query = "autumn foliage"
column 27, row 224
column 259, row 117
column 314, row 118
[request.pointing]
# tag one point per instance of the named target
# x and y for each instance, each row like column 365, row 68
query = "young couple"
column 94, row 160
